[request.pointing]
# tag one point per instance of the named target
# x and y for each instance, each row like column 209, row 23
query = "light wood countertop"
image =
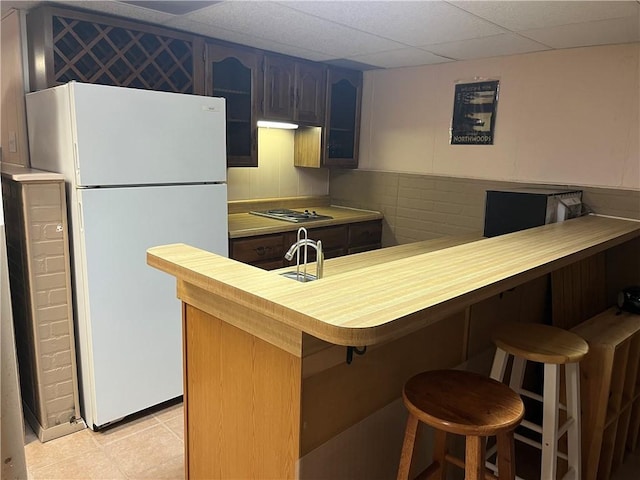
column 248, row 225
column 348, row 263
column 384, row 300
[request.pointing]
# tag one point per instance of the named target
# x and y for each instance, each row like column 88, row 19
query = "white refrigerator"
column 142, row 168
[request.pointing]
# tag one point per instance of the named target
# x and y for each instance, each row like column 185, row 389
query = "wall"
column 276, row 176
column 12, row 87
column 545, row 135
column 563, row 117
column 13, row 464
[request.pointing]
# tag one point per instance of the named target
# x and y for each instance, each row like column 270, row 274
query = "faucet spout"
column 296, row 246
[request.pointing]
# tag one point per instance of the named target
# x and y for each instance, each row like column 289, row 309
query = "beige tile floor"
column 146, row 447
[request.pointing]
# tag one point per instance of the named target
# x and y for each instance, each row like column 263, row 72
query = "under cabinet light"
column 283, row 125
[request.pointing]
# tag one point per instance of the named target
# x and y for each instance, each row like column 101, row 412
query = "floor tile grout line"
column 173, row 433
column 113, row 461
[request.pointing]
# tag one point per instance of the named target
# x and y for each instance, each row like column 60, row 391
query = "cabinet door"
column 264, row 251
column 279, row 88
column 310, row 93
column 235, row 74
column 344, row 96
column 365, row 236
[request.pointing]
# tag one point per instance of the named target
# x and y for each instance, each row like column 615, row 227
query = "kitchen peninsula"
column 262, row 385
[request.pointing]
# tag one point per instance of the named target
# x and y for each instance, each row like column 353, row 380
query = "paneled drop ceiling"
column 387, row 34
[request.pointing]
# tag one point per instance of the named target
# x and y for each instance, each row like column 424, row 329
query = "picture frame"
column 474, row 113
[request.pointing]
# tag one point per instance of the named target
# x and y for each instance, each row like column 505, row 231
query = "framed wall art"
column 474, row 113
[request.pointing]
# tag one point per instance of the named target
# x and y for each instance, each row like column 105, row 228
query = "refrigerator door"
column 128, row 313
column 126, row 136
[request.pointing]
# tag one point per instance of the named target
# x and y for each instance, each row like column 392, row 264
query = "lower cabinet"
column 364, row 236
column 264, row 251
column 267, row 251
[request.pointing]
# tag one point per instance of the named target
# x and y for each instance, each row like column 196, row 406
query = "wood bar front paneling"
column 336, row 398
column 242, row 402
column 579, row 291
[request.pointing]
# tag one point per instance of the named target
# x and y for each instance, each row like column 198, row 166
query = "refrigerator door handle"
column 76, row 162
column 80, row 216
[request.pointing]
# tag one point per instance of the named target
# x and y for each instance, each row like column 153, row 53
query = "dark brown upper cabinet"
column 235, row 74
column 294, row 91
column 342, row 125
column 335, row 145
column 65, row 45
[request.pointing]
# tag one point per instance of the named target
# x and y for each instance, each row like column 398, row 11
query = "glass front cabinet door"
column 344, row 96
column 235, row 74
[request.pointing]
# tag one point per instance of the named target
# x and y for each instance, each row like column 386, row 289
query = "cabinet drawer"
column 258, row 249
column 365, row 233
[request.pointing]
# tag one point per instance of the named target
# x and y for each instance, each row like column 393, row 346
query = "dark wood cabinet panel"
column 66, row 45
column 342, row 125
column 267, row 251
column 279, row 88
column 264, row 251
column 337, row 145
column 365, row 233
column 310, row 93
column 294, row 91
column 235, row 74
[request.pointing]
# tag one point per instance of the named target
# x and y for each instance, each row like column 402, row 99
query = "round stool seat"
column 463, row 403
column 541, row 343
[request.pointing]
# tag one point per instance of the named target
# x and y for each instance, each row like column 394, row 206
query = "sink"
column 299, row 276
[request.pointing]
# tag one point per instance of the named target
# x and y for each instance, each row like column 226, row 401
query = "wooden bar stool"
column 554, row 348
column 463, row 403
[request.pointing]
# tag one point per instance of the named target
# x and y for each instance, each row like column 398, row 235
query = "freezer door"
column 130, row 346
column 127, row 136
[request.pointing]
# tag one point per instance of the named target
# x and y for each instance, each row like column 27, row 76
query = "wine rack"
column 66, row 45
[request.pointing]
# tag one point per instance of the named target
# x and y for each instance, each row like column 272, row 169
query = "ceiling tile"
column 403, row 57
column 119, row 9
column 272, row 21
column 504, row 44
column 174, row 8
column 352, row 64
column 245, row 39
column 617, row 30
column 526, row 15
column 412, row 23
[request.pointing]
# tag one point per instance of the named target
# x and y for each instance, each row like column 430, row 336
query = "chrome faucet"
column 304, row 241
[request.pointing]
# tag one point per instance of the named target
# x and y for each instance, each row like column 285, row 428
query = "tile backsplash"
column 275, row 175
column 420, row 207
